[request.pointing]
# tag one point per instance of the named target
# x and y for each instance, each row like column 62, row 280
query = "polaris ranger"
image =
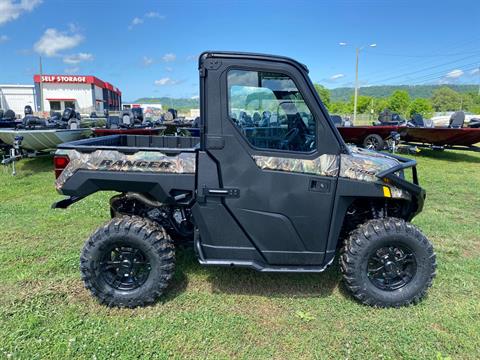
column 269, row 185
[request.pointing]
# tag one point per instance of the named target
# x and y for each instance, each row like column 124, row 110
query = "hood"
column 363, row 164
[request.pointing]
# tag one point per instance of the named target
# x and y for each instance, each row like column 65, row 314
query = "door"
column 275, row 152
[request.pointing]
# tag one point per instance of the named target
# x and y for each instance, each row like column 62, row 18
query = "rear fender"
column 165, row 188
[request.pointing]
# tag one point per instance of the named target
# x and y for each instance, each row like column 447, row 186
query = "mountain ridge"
column 336, row 94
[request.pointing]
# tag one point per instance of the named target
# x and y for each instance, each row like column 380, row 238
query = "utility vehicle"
column 286, row 195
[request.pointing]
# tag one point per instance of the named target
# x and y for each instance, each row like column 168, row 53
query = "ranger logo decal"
column 135, row 164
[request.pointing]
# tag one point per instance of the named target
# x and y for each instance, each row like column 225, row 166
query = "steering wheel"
column 289, row 138
column 296, row 137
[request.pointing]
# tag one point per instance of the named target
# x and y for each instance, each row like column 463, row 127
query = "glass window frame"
column 299, row 88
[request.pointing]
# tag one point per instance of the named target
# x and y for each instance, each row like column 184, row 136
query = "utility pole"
column 356, row 90
column 41, row 86
column 479, row 80
column 357, row 52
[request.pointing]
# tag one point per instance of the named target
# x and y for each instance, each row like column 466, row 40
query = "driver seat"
column 457, row 119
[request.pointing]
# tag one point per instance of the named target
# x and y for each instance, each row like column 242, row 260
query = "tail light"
column 60, row 162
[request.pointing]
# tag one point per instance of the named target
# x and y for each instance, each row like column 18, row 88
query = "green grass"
column 223, row 313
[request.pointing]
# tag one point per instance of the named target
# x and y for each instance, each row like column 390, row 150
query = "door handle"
column 319, row 185
column 223, row 192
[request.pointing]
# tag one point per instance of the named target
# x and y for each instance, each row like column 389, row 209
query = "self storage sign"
column 64, row 79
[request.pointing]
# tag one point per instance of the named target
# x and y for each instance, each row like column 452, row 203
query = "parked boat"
column 417, row 131
column 44, row 139
column 42, row 135
column 131, row 122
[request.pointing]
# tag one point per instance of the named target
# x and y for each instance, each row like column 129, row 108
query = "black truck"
column 269, row 185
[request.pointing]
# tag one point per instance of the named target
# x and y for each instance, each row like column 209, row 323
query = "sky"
column 150, row 48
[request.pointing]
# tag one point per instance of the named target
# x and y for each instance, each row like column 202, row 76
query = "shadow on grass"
column 449, row 155
column 240, row 281
column 33, row 166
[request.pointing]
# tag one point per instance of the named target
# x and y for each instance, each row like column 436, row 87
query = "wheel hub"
column 391, row 267
column 125, row 267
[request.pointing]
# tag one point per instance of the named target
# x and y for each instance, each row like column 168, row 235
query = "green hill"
column 383, row 91
column 167, row 102
column 337, row 94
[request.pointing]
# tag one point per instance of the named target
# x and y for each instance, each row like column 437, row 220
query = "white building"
column 83, row 93
column 16, row 97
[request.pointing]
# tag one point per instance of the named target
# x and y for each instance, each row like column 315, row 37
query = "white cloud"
column 72, row 70
column 336, row 77
column 168, row 69
column 11, row 10
column 169, row 57
column 77, row 58
column 154, row 14
column 147, row 61
column 195, row 97
column 3, row 38
column 454, row 74
column 166, row 81
column 138, row 20
column 54, row 41
column 475, row 71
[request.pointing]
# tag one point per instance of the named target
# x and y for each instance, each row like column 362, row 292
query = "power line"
column 424, row 56
column 412, row 62
column 431, row 77
column 423, row 70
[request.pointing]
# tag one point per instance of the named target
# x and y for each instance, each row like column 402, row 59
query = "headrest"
column 457, row 119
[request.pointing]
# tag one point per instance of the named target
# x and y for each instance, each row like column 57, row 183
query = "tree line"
column 442, row 99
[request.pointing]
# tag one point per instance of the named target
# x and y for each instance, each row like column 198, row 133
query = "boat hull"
column 43, row 140
column 433, row 136
column 441, row 136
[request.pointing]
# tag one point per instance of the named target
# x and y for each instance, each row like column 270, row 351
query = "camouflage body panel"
column 360, row 164
column 325, row 165
column 142, row 161
column 363, row 165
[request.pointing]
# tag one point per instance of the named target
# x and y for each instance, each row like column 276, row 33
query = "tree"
column 339, row 107
column 399, row 101
column 364, row 104
column 446, row 99
column 324, row 94
column 379, row 104
column 420, row 106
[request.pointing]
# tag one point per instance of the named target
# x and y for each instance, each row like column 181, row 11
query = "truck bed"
column 134, row 143
column 160, row 166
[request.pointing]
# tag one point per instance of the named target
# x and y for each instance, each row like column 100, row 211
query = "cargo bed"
column 134, row 143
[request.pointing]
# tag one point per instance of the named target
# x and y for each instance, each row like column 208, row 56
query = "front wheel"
column 387, row 263
column 128, row 262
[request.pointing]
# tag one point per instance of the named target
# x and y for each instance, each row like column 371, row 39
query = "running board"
column 268, row 268
column 253, row 264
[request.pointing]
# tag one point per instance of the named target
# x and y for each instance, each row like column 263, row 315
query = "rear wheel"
column 387, row 263
column 374, row 142
column 128, row 262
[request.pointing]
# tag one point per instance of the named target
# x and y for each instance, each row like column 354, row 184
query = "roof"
column 76, row 79
column 253, row 56
column 16, row 86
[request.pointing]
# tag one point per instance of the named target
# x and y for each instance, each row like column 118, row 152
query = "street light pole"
column 356, row 89
column 41, row 86
column 355, row 100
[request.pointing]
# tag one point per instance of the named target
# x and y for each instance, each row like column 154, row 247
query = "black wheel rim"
column 125, row 267
column 372, row 143
column 391, row 267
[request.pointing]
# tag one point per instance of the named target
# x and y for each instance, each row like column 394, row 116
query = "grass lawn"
column 221, row 312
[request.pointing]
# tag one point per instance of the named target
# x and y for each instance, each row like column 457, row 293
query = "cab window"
column 269, row 110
